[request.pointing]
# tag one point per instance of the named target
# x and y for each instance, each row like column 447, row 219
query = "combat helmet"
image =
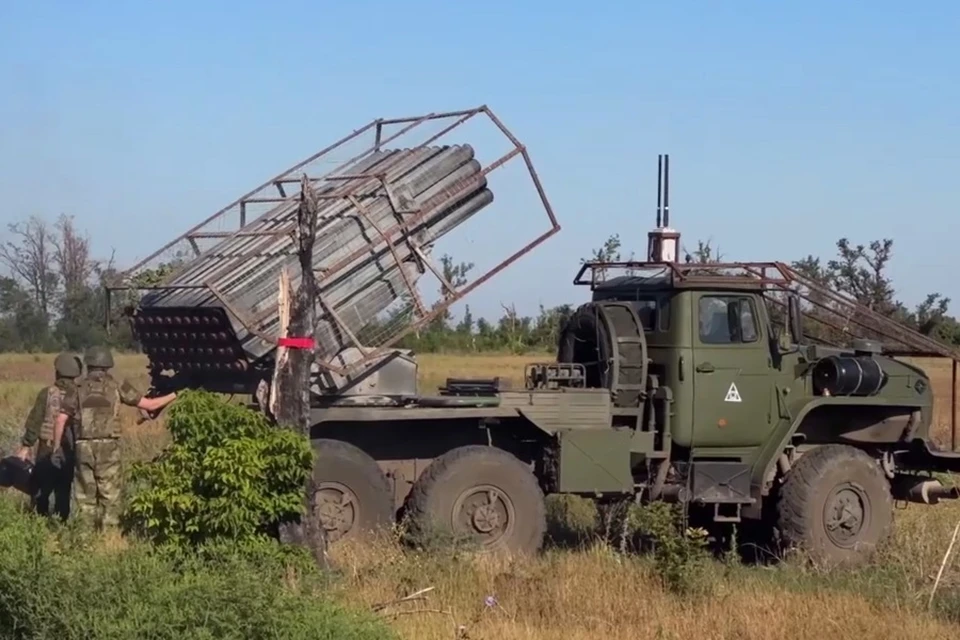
column 67, row 365
column 98, row 357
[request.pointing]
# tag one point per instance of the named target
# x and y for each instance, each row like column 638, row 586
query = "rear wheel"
column 835, row 504
column 480, row 493
column 352, row 495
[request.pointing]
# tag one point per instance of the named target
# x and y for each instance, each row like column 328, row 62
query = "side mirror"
column 795, row 319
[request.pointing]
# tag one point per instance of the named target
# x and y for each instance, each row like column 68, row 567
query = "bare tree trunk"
column 291, row 397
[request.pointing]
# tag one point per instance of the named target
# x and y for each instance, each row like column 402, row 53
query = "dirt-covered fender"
column 792, row 418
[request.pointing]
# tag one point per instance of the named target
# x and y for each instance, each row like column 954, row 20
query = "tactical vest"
column 51, row 412
column 99, row 400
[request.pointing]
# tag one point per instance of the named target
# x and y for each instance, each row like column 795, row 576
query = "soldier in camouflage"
column 98, row 462
column 52, row 473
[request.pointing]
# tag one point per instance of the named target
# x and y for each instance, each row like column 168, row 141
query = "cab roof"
column 608, row 278
column 836, row 311
column 631, row 284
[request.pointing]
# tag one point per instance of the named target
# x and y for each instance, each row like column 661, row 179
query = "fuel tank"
column 848, row 376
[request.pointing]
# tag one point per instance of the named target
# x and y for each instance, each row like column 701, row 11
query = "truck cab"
column 747, row 392
column 718, row 350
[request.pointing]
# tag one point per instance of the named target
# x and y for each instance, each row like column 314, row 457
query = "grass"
column 588, row 590
column 63, row 582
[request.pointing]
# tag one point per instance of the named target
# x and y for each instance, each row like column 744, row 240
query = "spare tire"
column 585, row 340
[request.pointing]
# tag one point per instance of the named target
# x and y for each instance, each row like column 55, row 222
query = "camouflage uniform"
column 98, row 464
column 49, row 476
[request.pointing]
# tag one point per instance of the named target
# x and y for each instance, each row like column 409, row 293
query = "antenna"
column 662, row 242
column 666, row 190
column 659, row 187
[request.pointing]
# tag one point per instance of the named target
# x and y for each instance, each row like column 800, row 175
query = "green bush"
column 64, row 584
column 228, row 474
column 679, row 554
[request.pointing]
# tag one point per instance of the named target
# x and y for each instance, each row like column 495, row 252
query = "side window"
column 654, row 312
column 727, row 320
column 647, row 312
column 665, row 313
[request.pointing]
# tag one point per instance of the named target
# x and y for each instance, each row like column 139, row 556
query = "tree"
column 22, row 326
column 52, row 296
column 71, row 255
column 30, row 258
column 703, row 254
column 80, row 302
column 609, row 251
column 861, row 272
column 456, row 275
column 291, row 397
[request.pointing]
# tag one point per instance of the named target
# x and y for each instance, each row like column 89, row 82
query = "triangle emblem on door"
column 733, row 395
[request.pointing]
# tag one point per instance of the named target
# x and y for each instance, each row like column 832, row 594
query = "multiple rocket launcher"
column 220, row 314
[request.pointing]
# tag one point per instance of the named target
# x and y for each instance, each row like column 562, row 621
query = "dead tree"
column 31, row 261
column 290, row 397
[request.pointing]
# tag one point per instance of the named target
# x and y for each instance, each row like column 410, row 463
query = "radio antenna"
column 659, row 187
column 666, row 190
column 663, row 242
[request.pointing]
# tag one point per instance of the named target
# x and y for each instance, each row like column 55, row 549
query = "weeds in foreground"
column 63, row 582
column 679, row 552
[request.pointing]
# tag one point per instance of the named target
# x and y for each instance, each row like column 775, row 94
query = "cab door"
column 731, row 371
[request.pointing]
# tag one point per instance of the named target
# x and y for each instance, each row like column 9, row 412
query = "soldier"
column 97, row 407
column 52, row 474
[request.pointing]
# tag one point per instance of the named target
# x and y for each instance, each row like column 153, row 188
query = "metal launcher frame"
column 840, row 314
column 395, row 235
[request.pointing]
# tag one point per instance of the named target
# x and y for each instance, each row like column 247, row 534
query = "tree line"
column 52, row 295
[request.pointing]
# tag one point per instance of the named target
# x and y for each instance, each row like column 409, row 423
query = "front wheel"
column 835, row 504
column 481, row 493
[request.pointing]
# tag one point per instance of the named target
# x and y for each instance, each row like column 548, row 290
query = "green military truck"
column 732, row 389
column 675, row 383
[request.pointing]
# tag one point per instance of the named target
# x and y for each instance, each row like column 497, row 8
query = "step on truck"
column 745, row 392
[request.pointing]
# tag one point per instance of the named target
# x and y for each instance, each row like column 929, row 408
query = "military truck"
column 671, row 384
column 726, row 388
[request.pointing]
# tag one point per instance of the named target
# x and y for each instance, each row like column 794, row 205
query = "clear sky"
column 788, row 124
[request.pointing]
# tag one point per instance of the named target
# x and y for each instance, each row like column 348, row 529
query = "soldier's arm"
column 66, row 411
column 131, row 396
column 31, row 429
column 58, row 430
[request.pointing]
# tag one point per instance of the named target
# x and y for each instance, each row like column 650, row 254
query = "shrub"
column 228, row 474
column 65, row 585
column 679, row 553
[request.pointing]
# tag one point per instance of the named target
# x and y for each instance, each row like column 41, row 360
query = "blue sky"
column 788, row 125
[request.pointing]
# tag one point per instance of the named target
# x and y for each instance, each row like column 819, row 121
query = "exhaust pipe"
column 674, row 493
column 921, row 490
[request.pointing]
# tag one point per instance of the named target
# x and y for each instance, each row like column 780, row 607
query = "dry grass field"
column 589, row 591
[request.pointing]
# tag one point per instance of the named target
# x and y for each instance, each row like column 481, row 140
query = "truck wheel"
column 353, row 497
column 835, row 504
column 483, row 493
